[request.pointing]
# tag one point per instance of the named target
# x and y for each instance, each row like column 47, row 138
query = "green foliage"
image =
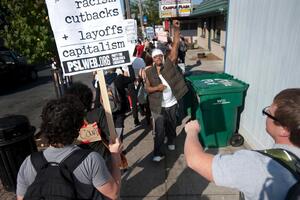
column 26, row 29
column 150, row 9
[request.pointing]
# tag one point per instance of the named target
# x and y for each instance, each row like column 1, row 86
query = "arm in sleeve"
column 100, row 176
column 238, row 170
column 25, row 178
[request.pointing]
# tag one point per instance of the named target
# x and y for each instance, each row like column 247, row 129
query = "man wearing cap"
column 165, row 86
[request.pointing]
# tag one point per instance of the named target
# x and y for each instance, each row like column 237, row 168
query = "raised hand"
column 192, row 127
column 176, row 23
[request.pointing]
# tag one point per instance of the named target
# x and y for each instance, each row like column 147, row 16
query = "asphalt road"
column 29, row 98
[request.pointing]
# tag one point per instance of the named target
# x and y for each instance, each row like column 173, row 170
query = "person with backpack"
column 116, row 78
column 64, row 170
column 272, row 174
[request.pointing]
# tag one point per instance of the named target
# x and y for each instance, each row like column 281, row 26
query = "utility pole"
column 141, row 17
column 127, row 8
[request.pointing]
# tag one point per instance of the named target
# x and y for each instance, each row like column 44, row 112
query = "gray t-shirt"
column 256, row 175
column 91, row 171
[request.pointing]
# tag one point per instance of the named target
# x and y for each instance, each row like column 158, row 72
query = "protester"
column 256, row 175
column 121, row 82
column 93, row 115
column 139, row 49
column 61, row 121
column 182, row 50
column 132, row 71
column 165, row 86
column 144, row 106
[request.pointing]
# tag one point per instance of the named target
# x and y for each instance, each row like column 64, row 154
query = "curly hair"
column 288, row 112
column 83, row 92
column 61, row 120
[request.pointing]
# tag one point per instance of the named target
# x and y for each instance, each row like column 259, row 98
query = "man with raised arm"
column 165, row 86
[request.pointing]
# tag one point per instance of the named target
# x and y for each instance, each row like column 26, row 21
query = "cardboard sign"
column 89, row 133
column 89, row 34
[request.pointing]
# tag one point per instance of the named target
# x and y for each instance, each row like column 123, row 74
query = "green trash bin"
column 220, row 102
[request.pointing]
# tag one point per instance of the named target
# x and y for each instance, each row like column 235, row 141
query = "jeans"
column 164, row 125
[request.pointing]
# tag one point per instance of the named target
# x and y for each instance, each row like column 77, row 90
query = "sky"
column 196, row 1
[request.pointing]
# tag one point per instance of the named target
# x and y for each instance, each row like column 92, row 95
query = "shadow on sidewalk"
column 139, row 138
column 146, row 178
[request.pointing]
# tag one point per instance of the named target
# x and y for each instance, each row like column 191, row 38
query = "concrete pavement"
column 170, row 179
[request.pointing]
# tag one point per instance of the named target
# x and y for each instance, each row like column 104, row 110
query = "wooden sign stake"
column 106, row 106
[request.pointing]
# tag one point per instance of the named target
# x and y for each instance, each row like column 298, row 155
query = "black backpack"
column 292, row 163
column 55, row 181
column 114, row 97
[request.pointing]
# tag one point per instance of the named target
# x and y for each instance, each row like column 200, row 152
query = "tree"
column 26, row 29
column 150, row 9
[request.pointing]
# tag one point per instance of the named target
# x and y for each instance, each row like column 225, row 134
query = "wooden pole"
column 106, row 106
column 108, row 114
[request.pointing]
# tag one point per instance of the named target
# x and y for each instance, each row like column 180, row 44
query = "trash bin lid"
column 218, row 85
column 13, row 126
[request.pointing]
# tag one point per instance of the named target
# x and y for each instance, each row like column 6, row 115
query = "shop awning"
column 211, row 7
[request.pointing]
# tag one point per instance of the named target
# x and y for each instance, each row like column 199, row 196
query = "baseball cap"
column 156, row 52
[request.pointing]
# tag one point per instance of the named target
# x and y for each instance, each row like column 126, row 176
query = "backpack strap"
column 286, row 158
column 75, row 158
column 38, row 160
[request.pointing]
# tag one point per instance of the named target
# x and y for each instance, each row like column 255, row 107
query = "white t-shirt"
column 168, row 98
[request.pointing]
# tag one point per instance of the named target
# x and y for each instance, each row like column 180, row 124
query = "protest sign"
column 89, row 34
column 162, row 36
column 131, row 31
column 150, row 32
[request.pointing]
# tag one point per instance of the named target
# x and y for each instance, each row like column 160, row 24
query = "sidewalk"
column 170, row 179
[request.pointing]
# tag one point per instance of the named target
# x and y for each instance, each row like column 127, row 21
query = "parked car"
column 14, row 68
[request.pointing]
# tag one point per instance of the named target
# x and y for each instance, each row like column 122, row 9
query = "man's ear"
column 284, row 132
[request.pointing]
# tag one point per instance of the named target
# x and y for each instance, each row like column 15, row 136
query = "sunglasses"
column 266, row 112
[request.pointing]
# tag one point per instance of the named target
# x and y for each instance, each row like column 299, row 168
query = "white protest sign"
column 89, row 34
column 150, row 32
column 131, row 30
column 162, row 36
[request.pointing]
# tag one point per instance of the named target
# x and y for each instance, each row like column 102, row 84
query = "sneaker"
column 157, row 158
column 171, row 147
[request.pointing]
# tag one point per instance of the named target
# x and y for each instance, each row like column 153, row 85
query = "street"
column 29, row 98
